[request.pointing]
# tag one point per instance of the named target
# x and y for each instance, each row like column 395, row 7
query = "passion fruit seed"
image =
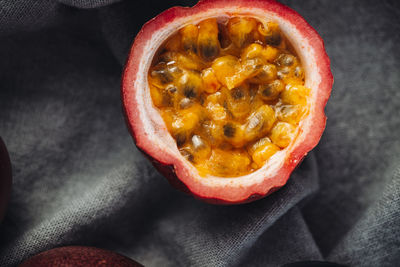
column 240, row 30
column 214, row 108
column 180, row 138
column 163, row 75
column 286, row 60
column 238, row 93
column 225, row 67
column 229, row 130
column 230, row 94
column 213, row 132
column 263, row 153
column 259, row 123
column 234, row 134
column 252, row 147
column 184, row 61
column 291, row 113
column 208, row 42
column 189, row 38
column 267, row 74
column 274, row 38
column 271, row 91
column 238, row 102
column 298, row 72
column 187, row 154
column 295, row 94
column 198, row 142
column 197, row 150
column 190, row 84
column 282, row 134
column 271, row 34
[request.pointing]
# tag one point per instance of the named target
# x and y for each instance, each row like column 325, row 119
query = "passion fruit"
column 5, row 178
column 79, row 257
column 227, row 97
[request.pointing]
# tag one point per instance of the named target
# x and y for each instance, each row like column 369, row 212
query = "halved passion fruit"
column 226, row 98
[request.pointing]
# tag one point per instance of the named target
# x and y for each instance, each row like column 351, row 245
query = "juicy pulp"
column 231, row 94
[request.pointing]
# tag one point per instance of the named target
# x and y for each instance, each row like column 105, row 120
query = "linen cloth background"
column 79, row 180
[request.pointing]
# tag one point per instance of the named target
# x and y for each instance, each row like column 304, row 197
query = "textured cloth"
column 79, row 180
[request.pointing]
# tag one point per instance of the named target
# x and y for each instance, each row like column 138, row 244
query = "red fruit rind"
column 152, row 136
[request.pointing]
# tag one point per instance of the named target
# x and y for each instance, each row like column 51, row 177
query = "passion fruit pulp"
column 229, row 108
column 198, row 79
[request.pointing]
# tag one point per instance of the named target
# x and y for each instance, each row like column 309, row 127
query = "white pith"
column 154, row 126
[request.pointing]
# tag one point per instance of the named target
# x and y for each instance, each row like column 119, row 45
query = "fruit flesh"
column 231, row 93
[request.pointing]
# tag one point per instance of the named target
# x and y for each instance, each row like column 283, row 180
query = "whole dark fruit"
column 79, row 256
column 5, row 178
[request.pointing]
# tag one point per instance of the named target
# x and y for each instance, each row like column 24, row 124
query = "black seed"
column 267, row 72
column 180, row 138
column 273, row 39
column 163, row 75
column 168, row 96
column 189, row 46
column 267, row 90
column 209, row 50
column 189, row 91
column 225, row 105
column 187, row 155
column 172, row 90
column 202, row 99
column 229, row 130
column 237, row 93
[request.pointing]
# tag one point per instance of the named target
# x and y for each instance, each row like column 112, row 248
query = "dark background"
column 79, row 180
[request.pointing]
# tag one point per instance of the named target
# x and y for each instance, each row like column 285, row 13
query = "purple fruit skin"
column 79, row 257
column 5, row 178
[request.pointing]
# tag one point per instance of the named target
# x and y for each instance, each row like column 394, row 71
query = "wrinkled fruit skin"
column 79, row 257
column 139, row 113
column 5, row 178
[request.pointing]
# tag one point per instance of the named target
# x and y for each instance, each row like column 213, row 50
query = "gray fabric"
column 79, row 180
column 88, row 3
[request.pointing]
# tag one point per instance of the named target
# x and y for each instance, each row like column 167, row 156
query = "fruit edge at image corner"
column 5, row 178
column 144, row 121
column 79, row 256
